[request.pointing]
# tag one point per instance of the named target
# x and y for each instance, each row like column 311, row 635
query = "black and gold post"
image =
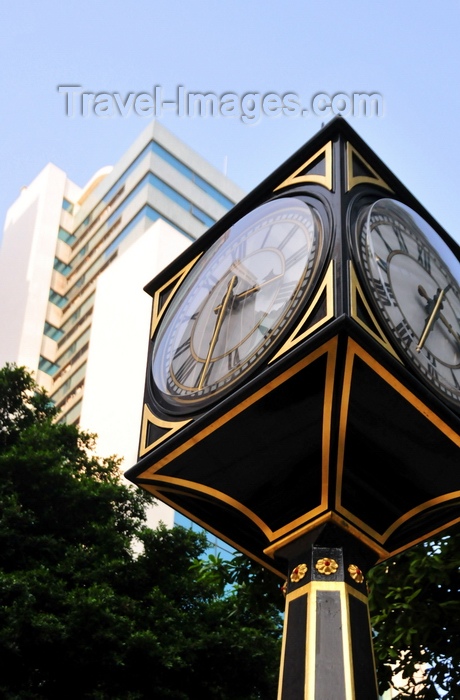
column 327, row 643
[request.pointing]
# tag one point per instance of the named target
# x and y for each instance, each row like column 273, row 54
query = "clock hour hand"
column 221, row 310
column 247, row 292
column 441, row 316
column 434, row 307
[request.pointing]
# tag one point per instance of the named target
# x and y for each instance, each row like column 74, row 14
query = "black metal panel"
column 362, row 650
column 293, row 668
column 386, row 477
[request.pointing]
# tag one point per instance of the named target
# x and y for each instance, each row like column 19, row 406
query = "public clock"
column 414, row 282
column 236, row 304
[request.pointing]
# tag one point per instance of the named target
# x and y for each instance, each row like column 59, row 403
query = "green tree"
column 415, row 607
column 93, row 604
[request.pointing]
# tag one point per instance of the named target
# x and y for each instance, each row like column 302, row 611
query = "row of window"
column 165, row 155
column 170, row 192
column 47, row 366
column 62, row 267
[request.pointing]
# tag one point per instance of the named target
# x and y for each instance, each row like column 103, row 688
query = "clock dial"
column 414, row 278
column 236, row 303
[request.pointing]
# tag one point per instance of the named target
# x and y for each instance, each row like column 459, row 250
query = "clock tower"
column 302, row 396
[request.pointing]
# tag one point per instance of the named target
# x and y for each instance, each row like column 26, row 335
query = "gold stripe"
column 310, row 649
column 353, row 351
column 174, row 282
column 170, row 426
column 433, row 533
column 355, row 291
column 161, row 496
column 151, row 473
column 347, row 644
column 326, row 180
column 283, row 652
column 352, row 181
column 335, row 519
column 328, row 286
column 327, row 586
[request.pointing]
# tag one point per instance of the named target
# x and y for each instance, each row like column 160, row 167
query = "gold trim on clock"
column 357, row 299
column 301, row 176
column 161, row 495
column 298, row 334
column 334, row 519
column 170, row 427
column 174, row 283
column 352, row 179
column 156, row 482
column 353, row 351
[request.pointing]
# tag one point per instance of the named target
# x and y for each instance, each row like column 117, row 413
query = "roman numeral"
column 234, row 359
column 431, row 368
column 424, row 258
column 286, row 292
column 288, row 237
column 384, row 293
column 382, row 264
column 264, row 242
column 239, row 252
column 405, row 332
column 182, row 348
column 293, row 259
column 401, row 240
column 185, row 369
column 384, row 240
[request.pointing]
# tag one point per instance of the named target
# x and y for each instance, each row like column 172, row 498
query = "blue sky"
column 408, row 52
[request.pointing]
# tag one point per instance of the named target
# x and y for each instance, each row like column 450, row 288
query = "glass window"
column 57, row 299
column 191, row 175
column 67, row 206
column 47, row 366
column 165, row 155
column 66, row 236
column 62, row 267
column 52, row 332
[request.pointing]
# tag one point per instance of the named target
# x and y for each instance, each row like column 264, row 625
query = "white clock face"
column 414, row 279
column 236, row 303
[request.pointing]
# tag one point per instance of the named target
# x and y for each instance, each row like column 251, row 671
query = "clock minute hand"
column 441, row 316
column 221, row 309
column 434, row 307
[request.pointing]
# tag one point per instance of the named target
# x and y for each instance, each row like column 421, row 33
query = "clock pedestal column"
column 327, row 643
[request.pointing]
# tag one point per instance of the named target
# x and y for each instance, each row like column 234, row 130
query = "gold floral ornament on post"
column 327, row 566
column 298, row 572
column 356, row 573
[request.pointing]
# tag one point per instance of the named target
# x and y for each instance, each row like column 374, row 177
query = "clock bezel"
column 357, row 215
column 191, row 406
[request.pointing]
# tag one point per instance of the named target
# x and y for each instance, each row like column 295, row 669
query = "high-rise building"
column 73, row 265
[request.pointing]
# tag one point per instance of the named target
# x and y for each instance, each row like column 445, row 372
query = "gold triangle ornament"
column 362, row 313
column 319, row 311
column 360, row 172
column 164, row 294
column 317, row 170
column 154, row 430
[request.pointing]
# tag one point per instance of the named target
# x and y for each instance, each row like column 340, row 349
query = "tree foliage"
column 86, row 613
column 415, row 607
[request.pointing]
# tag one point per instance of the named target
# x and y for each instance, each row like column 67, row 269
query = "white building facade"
column 73, row 265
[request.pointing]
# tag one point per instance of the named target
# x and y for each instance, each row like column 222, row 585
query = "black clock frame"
column 334, row 438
